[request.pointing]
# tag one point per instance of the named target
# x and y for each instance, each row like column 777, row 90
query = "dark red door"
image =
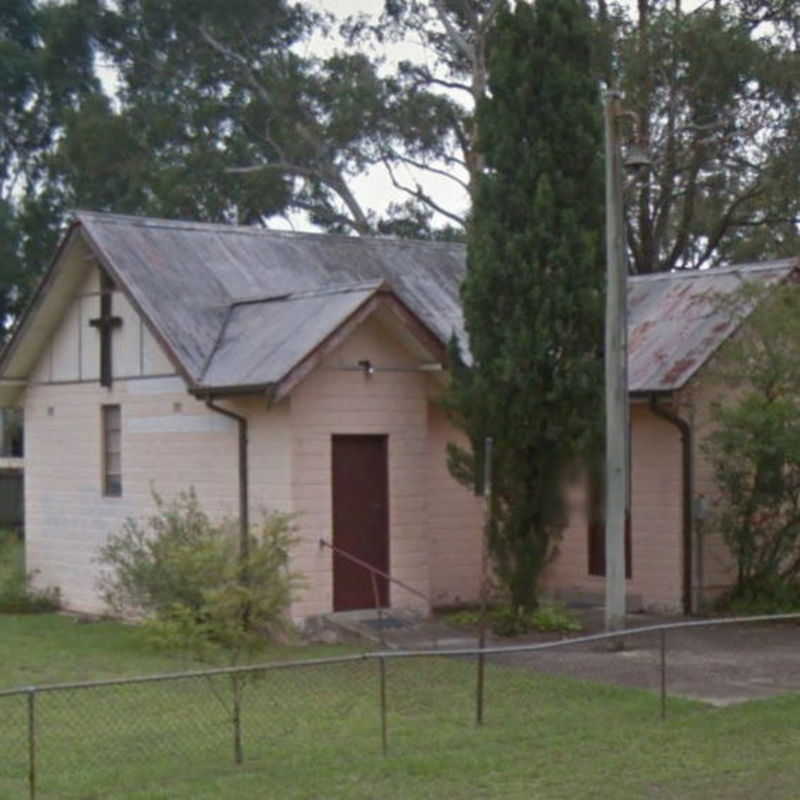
column 360, row 520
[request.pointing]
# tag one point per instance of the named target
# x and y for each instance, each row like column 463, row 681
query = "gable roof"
column 185, row 276
column 676, row 321
column 241, row 308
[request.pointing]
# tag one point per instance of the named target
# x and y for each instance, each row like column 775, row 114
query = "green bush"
column 774, row 597
column 181, row 573
column 507, row 621
column 754, row 448
column 17, row 594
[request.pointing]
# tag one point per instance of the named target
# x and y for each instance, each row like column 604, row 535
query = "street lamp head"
column 637, row 159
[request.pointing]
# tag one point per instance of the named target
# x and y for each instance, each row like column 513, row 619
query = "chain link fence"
column 72, row 740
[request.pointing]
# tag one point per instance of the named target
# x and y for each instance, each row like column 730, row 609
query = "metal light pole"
column 616, row 377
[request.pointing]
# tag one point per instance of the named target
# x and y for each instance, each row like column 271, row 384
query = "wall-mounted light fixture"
column 366, row 367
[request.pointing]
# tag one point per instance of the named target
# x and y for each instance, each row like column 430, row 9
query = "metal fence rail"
column 220, row 715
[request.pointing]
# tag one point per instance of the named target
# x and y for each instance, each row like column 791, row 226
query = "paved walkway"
column 722, row 665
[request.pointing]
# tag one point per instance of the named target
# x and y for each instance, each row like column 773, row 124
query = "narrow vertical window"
column 597, row 530
column 112, row 451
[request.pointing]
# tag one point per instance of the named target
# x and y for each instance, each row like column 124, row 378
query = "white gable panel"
column 73, row 352
column 90, row 338
column 127, row 338
column 66, row 346
column 154, row 359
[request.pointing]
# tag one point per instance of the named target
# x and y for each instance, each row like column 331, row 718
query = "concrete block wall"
column 715, row 567
column 657, row 549
column 455, row 521
column 172, row 441
column 338, row 399
column 169, row 443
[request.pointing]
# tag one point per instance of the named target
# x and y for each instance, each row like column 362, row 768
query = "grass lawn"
column 314, row 732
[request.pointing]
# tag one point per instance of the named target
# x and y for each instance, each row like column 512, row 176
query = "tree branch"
column 487, row 21
column 420, row 195
column 325, row 212
column 461, row 42
column 427, row 168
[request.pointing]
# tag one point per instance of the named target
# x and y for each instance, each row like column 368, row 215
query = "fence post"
column 238, row 752
column 378, row 608
column 479, row 686
column 663, row 637
column 488, row 445
column 382, row 695
column 32, row 743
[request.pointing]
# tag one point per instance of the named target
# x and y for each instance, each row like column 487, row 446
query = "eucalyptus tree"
column 718, row 97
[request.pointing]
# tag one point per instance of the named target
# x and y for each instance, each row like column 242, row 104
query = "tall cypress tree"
column 533, row 295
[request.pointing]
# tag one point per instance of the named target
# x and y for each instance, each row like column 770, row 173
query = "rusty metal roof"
column 241, row 306
column 676, row 320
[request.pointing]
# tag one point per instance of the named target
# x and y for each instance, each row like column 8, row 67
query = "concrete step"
column 394, row 629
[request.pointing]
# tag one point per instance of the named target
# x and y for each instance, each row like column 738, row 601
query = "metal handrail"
column 375, row 571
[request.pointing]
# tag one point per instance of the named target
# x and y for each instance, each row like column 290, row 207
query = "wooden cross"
column 105, row 324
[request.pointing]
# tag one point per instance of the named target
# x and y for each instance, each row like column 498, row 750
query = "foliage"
column 226, row 114
column 507, row 621
column 754, row 448
column 717, row 94
column 183, row 573
column 533, row 292
column 46, row 70
column 252, row 110
column 768, row 598
column 17, row 593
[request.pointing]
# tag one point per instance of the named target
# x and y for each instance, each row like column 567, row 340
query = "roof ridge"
column 748, row 266
column 250, row 230
column 216, row 345
column 343, row 288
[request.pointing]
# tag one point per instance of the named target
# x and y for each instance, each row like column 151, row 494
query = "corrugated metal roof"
column 191, row 278
column 262, row 341
column 185, row 276
column 676, row 320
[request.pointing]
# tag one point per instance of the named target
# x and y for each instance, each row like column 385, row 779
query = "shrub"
column 754, row 449
column 765, row 598
column 17, row 594
column 184, row 576
column 507, row 621
column 181, row 573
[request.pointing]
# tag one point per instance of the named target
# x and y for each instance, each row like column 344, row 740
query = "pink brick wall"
column 455, row 521
column 335, row 399
column 714, row 567
column 67, row 516
column 655, row 525
column 172, row 441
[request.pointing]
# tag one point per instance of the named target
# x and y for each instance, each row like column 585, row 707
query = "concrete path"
column 723, row 665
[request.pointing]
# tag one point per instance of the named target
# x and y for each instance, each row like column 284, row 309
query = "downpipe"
column 244, row 485
column 685, row 430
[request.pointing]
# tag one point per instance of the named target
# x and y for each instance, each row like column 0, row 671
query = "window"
column 112, row 451
column 597, row 531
